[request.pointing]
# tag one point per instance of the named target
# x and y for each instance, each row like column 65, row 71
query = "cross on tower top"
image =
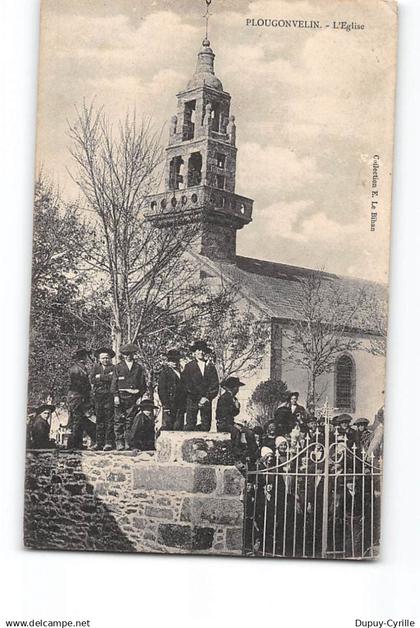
column 207, row 16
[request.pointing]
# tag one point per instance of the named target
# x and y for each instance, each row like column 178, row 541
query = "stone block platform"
column 187, row 497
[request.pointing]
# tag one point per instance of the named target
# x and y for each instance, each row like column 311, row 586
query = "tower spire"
column 207, row 16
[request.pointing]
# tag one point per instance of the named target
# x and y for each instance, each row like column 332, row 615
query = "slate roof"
column 273, row 287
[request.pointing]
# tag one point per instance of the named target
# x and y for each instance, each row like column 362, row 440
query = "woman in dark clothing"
column 40, row 427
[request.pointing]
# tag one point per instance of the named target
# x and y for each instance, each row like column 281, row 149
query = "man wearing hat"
column 362, row 435
column 202, row 385
column 78, row 397
column 101, row 377
column 30, row 416
column 40, row 427
column 142, row 432
column 127, row 386
column 297, row 411
column 172, row 393
column 311, row 425
column 343, row 432
column 228, row 406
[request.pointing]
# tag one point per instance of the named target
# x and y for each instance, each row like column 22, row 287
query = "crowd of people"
column 119, row 397
column 121, row 401
column 282, row 456
column 287, row 491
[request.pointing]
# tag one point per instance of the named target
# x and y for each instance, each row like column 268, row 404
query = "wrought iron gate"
column 320, row 498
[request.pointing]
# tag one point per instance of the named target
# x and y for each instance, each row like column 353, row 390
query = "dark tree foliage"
column 266, row 398
column 60, row 318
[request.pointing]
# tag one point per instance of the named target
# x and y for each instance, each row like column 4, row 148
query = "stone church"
column 199, row 181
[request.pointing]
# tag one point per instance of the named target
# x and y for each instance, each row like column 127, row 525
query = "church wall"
column 251, row 382
column 370, row 372
column 369, row 383
column 369, row 378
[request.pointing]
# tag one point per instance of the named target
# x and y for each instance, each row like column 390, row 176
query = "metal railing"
column 316, row 498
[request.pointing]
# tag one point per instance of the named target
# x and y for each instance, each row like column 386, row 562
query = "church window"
column 195, row 164
column 189, row 121
column 175, row 173
column 345, row 383
column 221, row 160
column 215, row 114
column 220, row 181
column 194, row 198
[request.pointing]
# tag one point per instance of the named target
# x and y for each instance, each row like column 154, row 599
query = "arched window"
column 345, row 377
column 195, row 163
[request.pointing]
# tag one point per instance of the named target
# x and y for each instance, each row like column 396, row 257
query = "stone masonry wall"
column 187, row 498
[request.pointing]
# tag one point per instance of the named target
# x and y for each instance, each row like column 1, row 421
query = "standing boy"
column 127, row 386
column 101, row 378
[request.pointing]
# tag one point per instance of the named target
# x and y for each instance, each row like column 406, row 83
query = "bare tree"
column 326, row 317
column 239, row 339
column 154, row 288
column 373, row 316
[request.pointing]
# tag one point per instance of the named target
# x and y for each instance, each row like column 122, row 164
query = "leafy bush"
column 266, row 398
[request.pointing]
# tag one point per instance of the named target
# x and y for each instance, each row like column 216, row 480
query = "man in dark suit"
column 297, row 411
column 78, row 398
column 342, row 432
column 101, row 378
column 202, row 385
column 362, row 435
column 128, row 385
column 172, row 393
column 228, row 406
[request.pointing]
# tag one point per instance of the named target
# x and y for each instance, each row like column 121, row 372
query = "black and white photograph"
column 209, row 366
column 210, row 278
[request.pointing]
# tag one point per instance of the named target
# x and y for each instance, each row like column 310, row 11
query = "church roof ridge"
column 286, row 271
column 272, row 287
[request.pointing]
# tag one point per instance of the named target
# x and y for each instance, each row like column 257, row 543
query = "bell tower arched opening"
column 201, row 154
column 195, row 165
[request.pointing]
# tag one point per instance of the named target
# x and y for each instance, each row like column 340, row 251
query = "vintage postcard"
column 210, row 276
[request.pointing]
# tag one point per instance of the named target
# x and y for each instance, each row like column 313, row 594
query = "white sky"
column 312, row 108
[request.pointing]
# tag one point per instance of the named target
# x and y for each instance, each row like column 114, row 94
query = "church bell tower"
column 200, row 166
